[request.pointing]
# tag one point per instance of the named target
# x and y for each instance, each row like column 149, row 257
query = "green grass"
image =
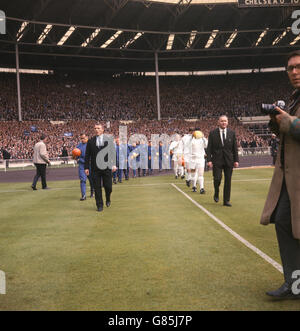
column 151, row 250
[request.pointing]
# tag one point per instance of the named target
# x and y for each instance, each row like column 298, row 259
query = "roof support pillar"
column 18, row 83
column 157, row 86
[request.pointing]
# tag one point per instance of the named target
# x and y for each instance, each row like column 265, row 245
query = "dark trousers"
column 289, row 247
column 102, row 177
column 40, row 172
column 217, row 173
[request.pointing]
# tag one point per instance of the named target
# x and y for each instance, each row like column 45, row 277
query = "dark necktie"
column 223, row 136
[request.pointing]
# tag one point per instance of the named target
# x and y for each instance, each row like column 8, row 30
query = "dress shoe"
column 100, row 208
column 227, row 204
column 83, row 198
column 46, row 188
column 283, row 292
column 202, row 191
column 216, row 198
column 33, row 187
column 108, row 203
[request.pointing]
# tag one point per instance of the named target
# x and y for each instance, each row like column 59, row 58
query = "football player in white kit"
column 186, row 147
column 176, row 150
column 197, row 160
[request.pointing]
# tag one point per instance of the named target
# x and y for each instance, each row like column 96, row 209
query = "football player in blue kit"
column 82, row 176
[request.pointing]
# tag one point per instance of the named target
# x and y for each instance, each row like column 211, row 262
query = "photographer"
column 282, row 206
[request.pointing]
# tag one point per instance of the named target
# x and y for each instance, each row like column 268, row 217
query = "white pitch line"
column 233, row 233
column 133, row 185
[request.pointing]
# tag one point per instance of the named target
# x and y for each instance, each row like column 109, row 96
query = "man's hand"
column 87, row 172
column 209, row 164
column 236, row 164
column 114, row 168
column 280, row 116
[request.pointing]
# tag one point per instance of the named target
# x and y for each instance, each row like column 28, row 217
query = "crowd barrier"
column 16, row 164
column 22, row 164
column 255, row 151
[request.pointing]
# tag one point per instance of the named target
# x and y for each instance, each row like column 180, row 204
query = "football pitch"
column 158, row 247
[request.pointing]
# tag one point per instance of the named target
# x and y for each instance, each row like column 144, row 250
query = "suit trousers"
column 40, row 172
column 217, row 174
column 289, row 247
column 102, row 177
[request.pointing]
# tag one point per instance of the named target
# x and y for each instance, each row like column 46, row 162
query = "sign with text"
column 267, row 3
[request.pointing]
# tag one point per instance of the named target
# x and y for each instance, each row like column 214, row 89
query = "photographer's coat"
column 289, row 131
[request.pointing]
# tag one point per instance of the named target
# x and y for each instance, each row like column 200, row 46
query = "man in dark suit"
column 100, row 157
column 222, row 155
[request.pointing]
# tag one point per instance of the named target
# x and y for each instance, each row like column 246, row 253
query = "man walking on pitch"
column 40, row 160
column 100, row 156
column 197, row 160
column 222, row 155
column 186, row 146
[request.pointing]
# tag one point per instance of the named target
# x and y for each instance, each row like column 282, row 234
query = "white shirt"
column 187, row 143
column 221, row 134
column 99, row 141
column 198, row 147
column 175, row 147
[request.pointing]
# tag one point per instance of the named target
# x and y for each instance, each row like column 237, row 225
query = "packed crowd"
column 57, row 97
column 18, row 138
column 80, row 101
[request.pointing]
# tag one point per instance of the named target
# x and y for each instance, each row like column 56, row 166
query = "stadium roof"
column 123, row 35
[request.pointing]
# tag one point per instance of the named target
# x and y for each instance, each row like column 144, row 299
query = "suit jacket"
column 221, row 155
column 92, row 150
column 40, row 154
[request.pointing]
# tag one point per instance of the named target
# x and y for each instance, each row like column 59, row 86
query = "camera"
column 269, row 109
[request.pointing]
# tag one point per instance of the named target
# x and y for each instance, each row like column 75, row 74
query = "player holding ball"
column 78, row 154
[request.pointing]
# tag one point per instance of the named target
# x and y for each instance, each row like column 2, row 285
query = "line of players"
column 186, row 154
column 189, row 158
column 141, row 158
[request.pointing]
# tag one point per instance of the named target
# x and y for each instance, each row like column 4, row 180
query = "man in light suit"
column 222, row 155
column 100, row 156
column 40, row 160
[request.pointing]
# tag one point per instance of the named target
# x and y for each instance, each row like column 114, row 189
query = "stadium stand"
column 80, row 101
column 56, row 97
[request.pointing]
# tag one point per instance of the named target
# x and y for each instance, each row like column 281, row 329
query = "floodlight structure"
column 2, row 22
